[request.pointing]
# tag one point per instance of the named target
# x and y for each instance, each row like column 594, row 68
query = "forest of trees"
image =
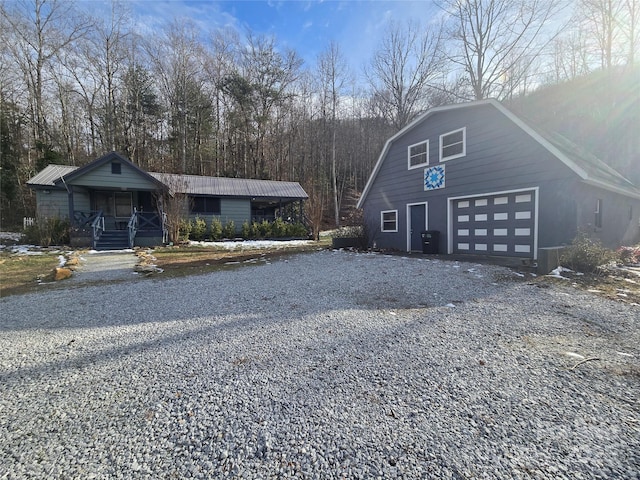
column 228, row 103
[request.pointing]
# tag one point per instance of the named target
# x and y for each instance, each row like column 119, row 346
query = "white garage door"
column 501, row 224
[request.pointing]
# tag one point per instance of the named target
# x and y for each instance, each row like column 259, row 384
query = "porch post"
column 71, row 207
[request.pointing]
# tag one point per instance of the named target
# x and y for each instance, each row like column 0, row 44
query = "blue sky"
column 306, row 26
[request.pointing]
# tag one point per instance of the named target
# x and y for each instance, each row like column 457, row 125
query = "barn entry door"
column 417, row 223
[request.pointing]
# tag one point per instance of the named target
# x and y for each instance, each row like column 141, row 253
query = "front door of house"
column 417, row 224
column 116, row 208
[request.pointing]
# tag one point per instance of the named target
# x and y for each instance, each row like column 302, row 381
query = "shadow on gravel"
column 300, row 284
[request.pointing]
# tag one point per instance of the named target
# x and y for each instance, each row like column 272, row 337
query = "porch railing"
column 132, row 227
column 97, row 226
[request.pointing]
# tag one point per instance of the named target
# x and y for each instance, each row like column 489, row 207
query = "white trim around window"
column 390, row 223
column 454, row 144
column 421, row 152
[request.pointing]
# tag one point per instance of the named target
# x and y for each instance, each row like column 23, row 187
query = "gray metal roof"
column 194, row 184
column 230, row 187
column 50, row 175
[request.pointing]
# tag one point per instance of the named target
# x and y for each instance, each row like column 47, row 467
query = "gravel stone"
column 322, row 365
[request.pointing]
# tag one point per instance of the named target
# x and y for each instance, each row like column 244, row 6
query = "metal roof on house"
column 50, row 174
column 230, row 187
column 194, row 184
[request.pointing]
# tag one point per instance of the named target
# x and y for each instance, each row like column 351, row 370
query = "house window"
column 116, row 168
column 205, row 205
column 419, row 154
column 389, row 221
column 453, row 144
column 598, row 213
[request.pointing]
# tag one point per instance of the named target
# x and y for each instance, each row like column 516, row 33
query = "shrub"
column 198, row 229
column 586, row 255
column 184, row 230
column 296, row 230
column 254, row 230
column 48, row 231
column 629, row 254
column 215, row 229
column 264, row 229
column 278, row 228
column 229, row 230
column 246, row 230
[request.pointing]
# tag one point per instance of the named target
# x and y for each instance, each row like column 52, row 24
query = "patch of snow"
column 14, row 236
column 26, row 250
column 62, row 261
column 450, row 305
column 624, row 354
column 253, row 244
column 574, row 355
column 557, row 273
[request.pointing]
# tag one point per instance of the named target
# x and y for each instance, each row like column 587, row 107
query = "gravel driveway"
column 322, row 365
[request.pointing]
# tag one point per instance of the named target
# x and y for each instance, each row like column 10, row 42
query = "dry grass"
column 616, row 284
column 20, row 273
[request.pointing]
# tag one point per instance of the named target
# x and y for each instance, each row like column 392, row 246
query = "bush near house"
column 184, row 230
column 586, row 255
column 198, row 229
column 47, row 231
column 215, row 229
column 629, row 255
column 229, row 230
column 275, row 229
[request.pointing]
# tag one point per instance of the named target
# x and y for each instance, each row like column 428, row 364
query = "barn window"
column 116, row 168
column 419, row 154
column 598, row 213
column 453, row 144
column 389, row 221
column 205, row 205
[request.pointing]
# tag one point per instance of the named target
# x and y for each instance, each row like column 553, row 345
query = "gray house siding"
column 102, row 178
column 237, row 210
column 52, row 203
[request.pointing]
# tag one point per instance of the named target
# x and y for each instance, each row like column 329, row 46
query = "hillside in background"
column 600, row 112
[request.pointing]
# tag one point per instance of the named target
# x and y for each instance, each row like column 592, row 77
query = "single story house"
column 114, row 203
column 483, row 181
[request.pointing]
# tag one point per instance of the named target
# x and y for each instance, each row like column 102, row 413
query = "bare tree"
column 601, row 21
column 631, row 29
column 491, row 37
column 333, row 74
column 613, row 26
column 408, row 59
column 177, row 58
column 570, row 56
column 39, row 31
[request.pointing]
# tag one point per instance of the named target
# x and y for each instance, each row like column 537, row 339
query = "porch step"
column 113, row 240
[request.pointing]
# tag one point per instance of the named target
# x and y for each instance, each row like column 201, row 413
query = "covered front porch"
column 116, row 219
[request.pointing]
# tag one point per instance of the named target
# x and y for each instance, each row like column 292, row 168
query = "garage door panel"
column 502, row 224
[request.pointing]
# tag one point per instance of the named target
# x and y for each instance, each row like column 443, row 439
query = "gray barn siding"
column 498, row 158
column 102, row 178
column 616, row 223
